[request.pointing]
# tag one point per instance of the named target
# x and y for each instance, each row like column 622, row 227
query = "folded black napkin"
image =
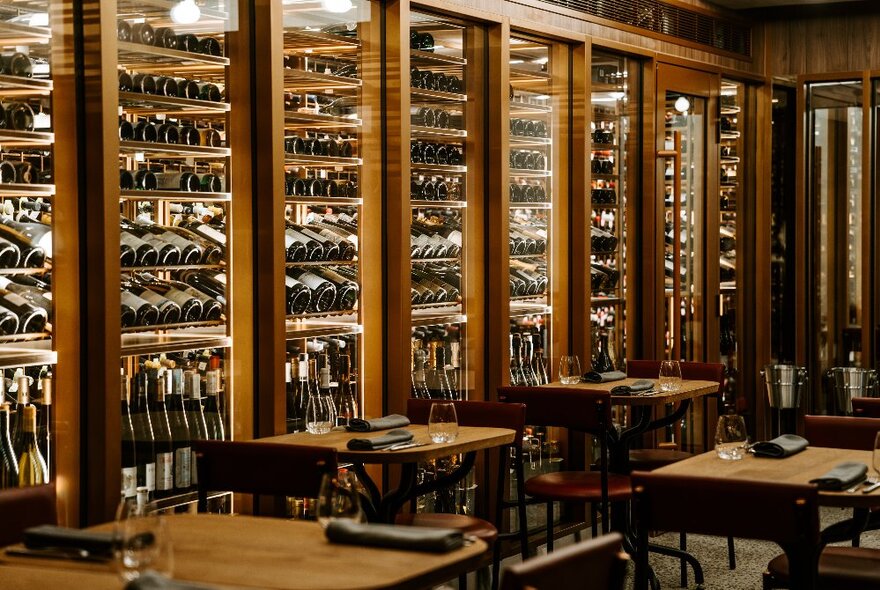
column 597, row 377
column 633, row 388
column 380, row 442
column 51, row 536
column 780, row 447
column 384, row 423
column 394, row 536
column 842, row 476
column 151, row 580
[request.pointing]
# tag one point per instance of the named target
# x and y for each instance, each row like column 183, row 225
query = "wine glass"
column 569, row 370
column 142, row 541
column 443, row 423
column 670, row 376
column 339, row 498
column 731, row 437
column 876, row 458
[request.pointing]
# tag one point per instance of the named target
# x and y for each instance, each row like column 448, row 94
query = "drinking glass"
column 142, row 542
column 443, row 423
column 731, row 437
column 569, row 370
column 670, row 376
column 339, row 498
column 876, row 458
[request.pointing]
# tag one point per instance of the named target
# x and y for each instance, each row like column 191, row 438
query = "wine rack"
column 438, row 200
column 732, row 151
column 609, row 172
column 531, row 194
column 175, row 205
column 323, row 84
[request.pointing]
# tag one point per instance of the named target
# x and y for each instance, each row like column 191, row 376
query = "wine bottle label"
column 16, row 300
column 154, row 298
column 312, row 281
column 129, row 482
column 178, row 297
column 288, row 241
column 151, row 476
column 210, row 233
column 213, row 382
column 182, row 467
column 193, row 473
column 164, row 471
column 455, row 237
column 131, row 241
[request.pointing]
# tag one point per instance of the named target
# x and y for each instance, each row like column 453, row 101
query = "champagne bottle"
column 32, row 470
column 8, row 459
column 161, row 435
column 213, row 419
column 44, row 421
column 145, row 447
column 129, row 453
column 195, row 416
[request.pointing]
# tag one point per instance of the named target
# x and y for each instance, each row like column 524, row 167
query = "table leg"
column 370, row 501
column 394, row 500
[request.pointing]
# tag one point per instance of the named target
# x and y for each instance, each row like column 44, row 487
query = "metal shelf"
column 420, row 318
column 519, row 309
column 431, row 96
column 524, row 108
column 313, row 120
column 173, row 104
column 20, row 85
column 521, row 75
column 21, row 354
column 319, row 200
column 419, row 56
column 175, row 341
column 325, row 315
column 528, row 141
column 174, row 150
column 434, row 132
column 188, row 196
column 531, row 205
column 438, row 168
column 438, row 204
column 319, row 161
column 530, row 173
column 19, row 34
column 354, row 262
column 150, row 56
column 14, row 189
column 295, row 79
column 304, row 40
column 167, row 267
column 450, row 260
column 12, row 138
column 317, row 329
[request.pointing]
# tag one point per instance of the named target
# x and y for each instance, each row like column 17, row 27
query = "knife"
column 409, row 445
column 871, row 488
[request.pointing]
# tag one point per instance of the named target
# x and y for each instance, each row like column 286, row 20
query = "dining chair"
column 785, row 514
column 489, row 415
column 581, row 410
column 22, row 508
column 651, row 459
column 261, row 468
column 866, row 407
column 595, row 564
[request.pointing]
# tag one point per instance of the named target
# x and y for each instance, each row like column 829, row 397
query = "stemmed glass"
column 875, row 460
column 339, row 498
column 443, row 423
column 670, row 376
column 569, row 370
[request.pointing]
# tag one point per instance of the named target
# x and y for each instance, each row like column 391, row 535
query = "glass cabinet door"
column 614, row 121
column 836, row 273
column 532, row 127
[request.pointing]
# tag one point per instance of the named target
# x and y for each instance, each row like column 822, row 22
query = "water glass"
column 443, row 423
column 731, row 437
column 876, row 458
column 143, row 542
column 569, row 370
column 339, row 498
column 670, row 376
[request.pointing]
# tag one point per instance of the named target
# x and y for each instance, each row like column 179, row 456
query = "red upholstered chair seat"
column 582, row 486
column 468, row 525
column 840, row 568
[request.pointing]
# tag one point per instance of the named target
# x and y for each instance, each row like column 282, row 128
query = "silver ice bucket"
column 850, row 382
column 785, row 385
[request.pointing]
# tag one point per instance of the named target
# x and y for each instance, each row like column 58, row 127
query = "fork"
column 856, row 487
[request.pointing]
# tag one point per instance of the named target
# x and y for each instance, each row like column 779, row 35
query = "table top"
column 690, row 389
column 252, row 552
column 800, row 468
column 470, row 438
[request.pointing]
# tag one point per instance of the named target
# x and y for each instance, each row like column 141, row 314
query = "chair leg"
column 549, row 526
column 462, row 582
column 594, row 520
column 496, row 564
column 683, row 545
column 731, row 553
column 577, row 536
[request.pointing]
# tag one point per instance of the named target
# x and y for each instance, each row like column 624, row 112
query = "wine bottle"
column 166, row 86
column 145, row 131
column 168, row 310
column 8, row 459
column 32, row 470
column 135, row 251
column 44, row 421
column 190, row 252
column 145, row 447
column 188, row 42
column 161, row 435
column 31, row 319
column 290, row 395
column 347, row 290
column 299, row 296
column 210, row 46
column 33, row 239
column 165, row 37
column 143, row 33
column 143, row 83
column 323, row 291
column 145, row 180
column 178, row 181
column 346, row 396
column 18, row 116
column 207, row 232
column 195, row 416
column 212, row 310
column 146, row 314
column 210, row 137
column 209, row 92
column 167, row 133
column 206, row 284
column 191, row 309
column 129, row 453
column 528, row 361
column 22, row 400
column 213, row 419
column 187, row 88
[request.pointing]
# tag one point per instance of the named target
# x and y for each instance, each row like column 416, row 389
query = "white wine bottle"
column 32, row 470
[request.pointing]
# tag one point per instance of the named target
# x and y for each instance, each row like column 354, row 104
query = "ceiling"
column 749, row 4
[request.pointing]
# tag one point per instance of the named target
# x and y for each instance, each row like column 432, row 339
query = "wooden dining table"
column 224, row 551
column 384, row 507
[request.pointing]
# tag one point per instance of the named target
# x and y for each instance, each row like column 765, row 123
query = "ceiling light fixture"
column 185, row 12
